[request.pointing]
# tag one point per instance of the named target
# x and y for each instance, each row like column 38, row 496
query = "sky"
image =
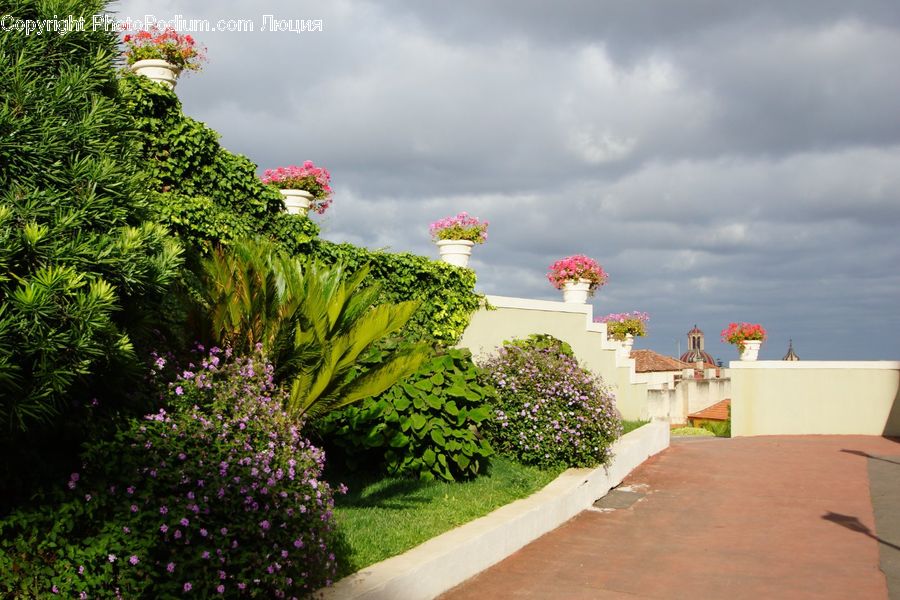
column 723, row 161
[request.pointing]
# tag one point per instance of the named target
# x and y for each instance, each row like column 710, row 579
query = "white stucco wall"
column 815, row 397
column 518, row 318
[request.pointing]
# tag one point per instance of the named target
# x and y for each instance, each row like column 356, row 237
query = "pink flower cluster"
column 618, row 325
column 164, row 44
column 460, row 227
column 309, row 177
column 738, row 333
column 577, row 267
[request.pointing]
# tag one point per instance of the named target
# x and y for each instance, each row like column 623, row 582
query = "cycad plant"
column 314, row 322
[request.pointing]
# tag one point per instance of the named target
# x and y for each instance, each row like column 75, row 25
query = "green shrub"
column 718, row 428
column 550, row 411
column 427, row 425
column 81, row 267
column 217, row 494
column 209, row 197
column 447, row 293
column 692, row 432
column 204, row 193
column 315, row 321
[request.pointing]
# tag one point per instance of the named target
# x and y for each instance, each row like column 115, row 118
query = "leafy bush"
column 203, row 193
column 217, row 494
column 718, row 428
column 692, row 432
column 209, row 197
column 427, row 425
column 80, row 264
column 550, row 411
column 316, row 321
column 447, row 293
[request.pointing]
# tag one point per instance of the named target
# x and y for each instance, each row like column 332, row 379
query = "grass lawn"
column 693, row 432
column 383, row 517
column 631, row 425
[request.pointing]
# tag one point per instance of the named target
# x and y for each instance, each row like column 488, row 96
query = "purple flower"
column 184, row 522
column 264, row 524
column 133, row 560
column 163, row 510
column 178, row 392
column 170, row 567
column 111, row 558
column 134, row 508
column 188, row 587
column 164, row 528
column 220, row 588
column 54, row 589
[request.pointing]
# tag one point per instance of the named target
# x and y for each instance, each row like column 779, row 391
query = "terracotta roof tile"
column 647, row 361
column 716, row 412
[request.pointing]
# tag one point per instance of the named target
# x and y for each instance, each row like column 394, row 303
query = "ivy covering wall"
column 209, row 196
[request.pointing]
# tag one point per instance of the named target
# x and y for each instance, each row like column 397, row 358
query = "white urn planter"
column 626, row 345
column 576, row 291
column 297, row 202
column 455, row 252
column 160, row 71
column 751, row 349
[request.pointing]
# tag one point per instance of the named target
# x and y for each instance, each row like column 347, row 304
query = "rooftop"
column 648, row 361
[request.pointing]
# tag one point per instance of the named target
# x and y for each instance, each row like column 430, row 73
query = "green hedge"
column 209, row 196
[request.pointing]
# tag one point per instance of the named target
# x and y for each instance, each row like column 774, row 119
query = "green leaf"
column 438, row 437
column 418, row 421
column 433, row 401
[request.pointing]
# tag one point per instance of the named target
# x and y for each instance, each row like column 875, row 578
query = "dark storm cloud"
column 724, row 161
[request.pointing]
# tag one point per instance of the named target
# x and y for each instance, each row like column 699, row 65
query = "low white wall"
column 702, row 393
column 518, row 318
column 685, row 397
column 815, row 397
column 443, row 562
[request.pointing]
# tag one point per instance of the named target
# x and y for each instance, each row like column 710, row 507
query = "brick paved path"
column 766, row 517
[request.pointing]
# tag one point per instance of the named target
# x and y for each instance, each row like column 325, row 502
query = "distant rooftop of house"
column 716, row 412
column 648, row 361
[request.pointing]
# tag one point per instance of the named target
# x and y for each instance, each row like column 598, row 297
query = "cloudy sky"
column 724, row 161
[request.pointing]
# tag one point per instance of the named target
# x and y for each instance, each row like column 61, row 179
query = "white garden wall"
column 815, row 397
column 509, row 318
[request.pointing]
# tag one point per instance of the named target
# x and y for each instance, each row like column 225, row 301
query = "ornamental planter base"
column 158, row 70
column 297, row 202
column 576, row 291
column 625, row 346
column 455, row 252
column 751, row 349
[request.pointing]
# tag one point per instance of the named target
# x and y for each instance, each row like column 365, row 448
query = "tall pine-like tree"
column 81, row 266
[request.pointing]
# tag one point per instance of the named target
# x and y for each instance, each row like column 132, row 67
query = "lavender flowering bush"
column 550, row 411
column 217, row 495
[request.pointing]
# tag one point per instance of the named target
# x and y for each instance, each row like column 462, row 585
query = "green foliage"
column 692, row 432
column 550, row 410
column 426, row 425
column 250, row 294
column 314, row 321
column 82, row 271
column 205, row 194
column 210, row 197
column 384, row 516
column 210, row 494
column 445, row 291
column 542, row 341
column 718, row 428
column 336, row 324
